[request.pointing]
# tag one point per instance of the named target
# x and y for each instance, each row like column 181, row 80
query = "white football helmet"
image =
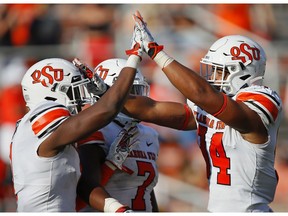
column 109, row 71
column 241, row 57
column 57, row 80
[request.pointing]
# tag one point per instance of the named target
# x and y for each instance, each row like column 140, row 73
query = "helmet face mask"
column 109, row 71
column 243, row 59
column 78, row 94
column 56, row 80
column 140, row 86
column 216, row 75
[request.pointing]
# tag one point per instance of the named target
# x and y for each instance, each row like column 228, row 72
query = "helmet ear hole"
column 50, row 98
column 245, row 77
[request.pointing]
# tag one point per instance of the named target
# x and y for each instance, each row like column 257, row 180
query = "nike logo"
column 149, row 143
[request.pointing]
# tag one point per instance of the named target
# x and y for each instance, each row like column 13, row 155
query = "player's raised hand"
column 136, row 43
column 149, row 44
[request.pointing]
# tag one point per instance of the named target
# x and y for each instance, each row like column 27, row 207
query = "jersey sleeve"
column 95, row 138
column 47, row 117
column 264, row 101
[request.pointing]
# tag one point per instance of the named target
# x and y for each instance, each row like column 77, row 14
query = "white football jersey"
column 241, row 175
column 134, row 190
column 43, row 184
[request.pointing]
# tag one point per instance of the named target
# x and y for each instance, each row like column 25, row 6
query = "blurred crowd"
column 96, row 32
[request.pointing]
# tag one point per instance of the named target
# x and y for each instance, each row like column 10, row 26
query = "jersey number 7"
column 138, row 203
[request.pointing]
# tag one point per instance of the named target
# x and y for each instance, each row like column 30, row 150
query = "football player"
column 130, row 150
column 236, row 118
column 45, row 163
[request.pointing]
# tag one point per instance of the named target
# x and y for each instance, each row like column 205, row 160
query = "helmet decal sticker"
column 245, row 51
column 47, row 72
column 103, row 72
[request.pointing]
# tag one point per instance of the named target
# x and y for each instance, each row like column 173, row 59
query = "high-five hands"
column 136, row 45
column 149, row 45
column 147, row 42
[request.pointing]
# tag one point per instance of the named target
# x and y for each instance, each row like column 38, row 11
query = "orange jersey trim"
column 47, row 118
column 188, row 113
column 96, row 136
column 262, row 99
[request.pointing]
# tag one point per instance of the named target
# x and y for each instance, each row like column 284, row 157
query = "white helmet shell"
column 243, row 58
column 57, row 80
column 109, row 71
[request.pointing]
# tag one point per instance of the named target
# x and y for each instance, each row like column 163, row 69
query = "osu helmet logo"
column 47, row 75
column 245, row 51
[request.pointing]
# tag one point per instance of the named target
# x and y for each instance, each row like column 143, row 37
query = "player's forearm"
column 115, row 97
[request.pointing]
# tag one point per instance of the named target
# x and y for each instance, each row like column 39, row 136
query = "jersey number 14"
column 217, row 154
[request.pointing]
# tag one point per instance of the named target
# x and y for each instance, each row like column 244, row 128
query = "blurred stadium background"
column 95, row 32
